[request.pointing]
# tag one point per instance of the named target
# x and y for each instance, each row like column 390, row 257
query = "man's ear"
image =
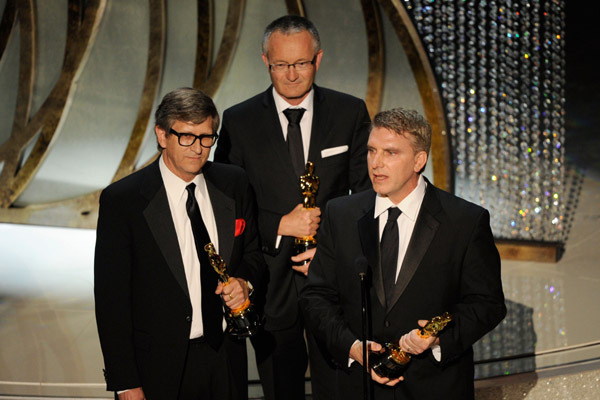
column 266, row 61
column 318, row 59
column 161, row 136
column 420, row 161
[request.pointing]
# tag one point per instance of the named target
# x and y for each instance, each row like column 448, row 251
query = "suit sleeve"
column 481, row 303
column 320, row 298
column 112, row 290
column 268, row 223
column 358, row 172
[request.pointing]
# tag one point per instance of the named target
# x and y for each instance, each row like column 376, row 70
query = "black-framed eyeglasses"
column 188, row 139
column 298, row 66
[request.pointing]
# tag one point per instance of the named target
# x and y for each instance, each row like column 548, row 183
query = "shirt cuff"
column 437, row 352
column 350, row 359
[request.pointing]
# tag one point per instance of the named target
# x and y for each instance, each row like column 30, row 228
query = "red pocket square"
column 240, row 224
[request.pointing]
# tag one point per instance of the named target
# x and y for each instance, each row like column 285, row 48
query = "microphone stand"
column 367, row 382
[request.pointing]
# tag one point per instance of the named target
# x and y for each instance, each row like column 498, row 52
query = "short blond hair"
column 407, row 123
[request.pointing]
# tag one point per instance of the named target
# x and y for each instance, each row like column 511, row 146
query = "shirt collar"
column 281, row 104
column 409, row 206
column 174, row 185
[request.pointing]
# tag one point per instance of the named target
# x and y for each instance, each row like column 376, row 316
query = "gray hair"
column 187, row 105
column 290, row 24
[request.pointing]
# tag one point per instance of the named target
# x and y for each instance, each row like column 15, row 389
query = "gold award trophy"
column 309, row 184
column 392, row 362
column 242, row 321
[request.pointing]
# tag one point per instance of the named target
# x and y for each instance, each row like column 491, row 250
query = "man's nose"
column 291, row 73
column 375, row 160
column 197, row 147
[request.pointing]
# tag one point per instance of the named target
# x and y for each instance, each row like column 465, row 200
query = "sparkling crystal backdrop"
column 501, row 69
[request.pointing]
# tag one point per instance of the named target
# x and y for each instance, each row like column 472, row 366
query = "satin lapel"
column 424, row 232
column 224, row 212
column 368, row 230
column 272, row 129
column 159, row 219
column 319, row 125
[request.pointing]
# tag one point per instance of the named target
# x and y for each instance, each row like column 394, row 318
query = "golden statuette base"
column 392, row 362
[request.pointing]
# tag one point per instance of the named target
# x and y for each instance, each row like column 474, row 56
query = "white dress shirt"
column 305, row 124
column 177, row 196
column 410, row 207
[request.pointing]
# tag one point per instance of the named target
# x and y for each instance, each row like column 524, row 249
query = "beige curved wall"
column 72, row 127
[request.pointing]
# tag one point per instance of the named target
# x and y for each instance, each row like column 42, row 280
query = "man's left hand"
column 415, row 344
column 306, row 256
column 235, row 293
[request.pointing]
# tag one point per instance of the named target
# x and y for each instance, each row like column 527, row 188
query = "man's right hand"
column 133, row 394
column 356, row 353
column 300, row 222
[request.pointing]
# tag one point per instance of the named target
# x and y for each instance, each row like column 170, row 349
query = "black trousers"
column 217, row 375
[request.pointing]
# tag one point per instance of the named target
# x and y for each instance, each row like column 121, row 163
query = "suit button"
column 188, row 318
column 387, row 324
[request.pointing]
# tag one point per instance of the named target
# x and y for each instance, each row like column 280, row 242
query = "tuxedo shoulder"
column 131, row 183
column 224, row 171
column 356, row 201
column 334, row 93
column 245, row 106
column 453, row 204
column 338, row 97
column 226, row 175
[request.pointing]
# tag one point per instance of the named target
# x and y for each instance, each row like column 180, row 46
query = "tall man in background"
column 428, row 252
column 271, row 136
column 158, row 305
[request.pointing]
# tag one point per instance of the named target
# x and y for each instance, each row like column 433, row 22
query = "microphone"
column 363, row 266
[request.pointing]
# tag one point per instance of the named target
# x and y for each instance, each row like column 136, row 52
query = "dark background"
column 582, row 90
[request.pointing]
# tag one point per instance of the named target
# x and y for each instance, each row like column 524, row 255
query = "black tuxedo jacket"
column 451, row 265
column 251, row 137
column 143, row 309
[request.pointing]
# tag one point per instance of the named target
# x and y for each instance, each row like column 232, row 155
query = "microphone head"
column 361, row 264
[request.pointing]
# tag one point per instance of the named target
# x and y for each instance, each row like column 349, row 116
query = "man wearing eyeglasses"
column 272, row 136
column 159, row 306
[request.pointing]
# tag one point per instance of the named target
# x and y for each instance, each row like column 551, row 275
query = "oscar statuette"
column 392, row 361
column 242, row 321
column 309, row 184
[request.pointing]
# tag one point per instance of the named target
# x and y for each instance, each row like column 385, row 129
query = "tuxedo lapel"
column 425, row 228
column 159, row 219
column 368, row 231
column 224, row 211
column 321, row 114
column 274, row 133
